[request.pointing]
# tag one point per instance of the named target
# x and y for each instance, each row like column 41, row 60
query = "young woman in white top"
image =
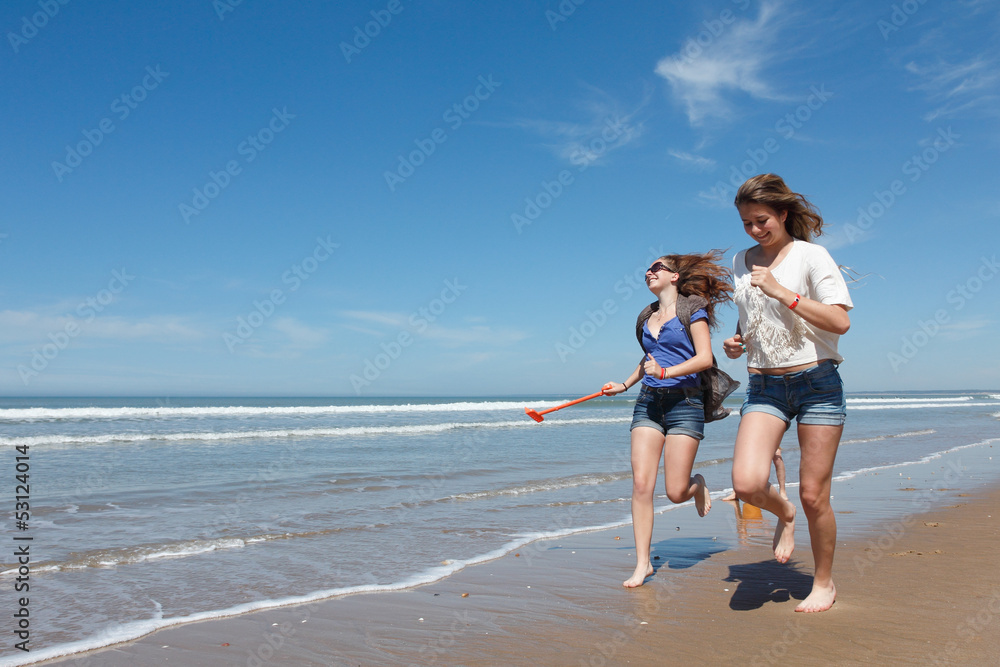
column 793, row 304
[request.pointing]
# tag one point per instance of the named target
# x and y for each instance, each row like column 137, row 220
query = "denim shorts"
column 812, row 396
column 679, row 412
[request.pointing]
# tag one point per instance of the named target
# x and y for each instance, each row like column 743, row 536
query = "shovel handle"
column 537, row 415
column 573, row 402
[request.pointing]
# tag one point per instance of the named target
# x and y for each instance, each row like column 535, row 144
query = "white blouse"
column 774, row 335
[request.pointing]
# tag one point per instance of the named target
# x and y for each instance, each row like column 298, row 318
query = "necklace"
column 661, row 312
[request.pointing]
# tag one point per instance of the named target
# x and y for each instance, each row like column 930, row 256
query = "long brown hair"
column 702, row 275
column 802, row 221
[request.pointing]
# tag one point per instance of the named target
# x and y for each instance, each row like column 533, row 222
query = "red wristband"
column 792, row 305
column 663, row 373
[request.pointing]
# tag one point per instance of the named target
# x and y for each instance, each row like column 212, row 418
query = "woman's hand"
column 614, row 388
column 650, row 367
column 761, row 277
column 734, row 347
column 828, row 317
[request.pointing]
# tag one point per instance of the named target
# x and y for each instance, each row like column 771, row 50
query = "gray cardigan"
column 715, row 383
column 686, row 307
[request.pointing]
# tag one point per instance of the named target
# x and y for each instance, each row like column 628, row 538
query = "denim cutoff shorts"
column 812, row 396
column 678, row 412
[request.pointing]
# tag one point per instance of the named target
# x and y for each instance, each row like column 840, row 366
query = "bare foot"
column 784, row 540
column 820, row 599
column 639, row 576
column 730, row 496
column 702, row 501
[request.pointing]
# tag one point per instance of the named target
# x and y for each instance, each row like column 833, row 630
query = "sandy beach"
column 315, row 315
column 919, row 588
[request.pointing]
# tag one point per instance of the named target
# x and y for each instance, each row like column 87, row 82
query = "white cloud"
column 607, row 125
column 957, row 88
column 376, row 317
column 450, row 336
column 702, row 76
column 283, row 338
column 695, row 161
column 835, row 239
column 966, row 329
column 362, row 330
column 300, row 335
column 720, row 194
column 34, row 327
column 473, row 335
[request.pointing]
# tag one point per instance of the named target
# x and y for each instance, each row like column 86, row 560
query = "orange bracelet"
column 792, row 305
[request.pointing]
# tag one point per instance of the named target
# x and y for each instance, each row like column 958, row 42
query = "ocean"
column 144, row 513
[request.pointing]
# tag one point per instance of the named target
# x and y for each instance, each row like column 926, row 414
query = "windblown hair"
column 803, row 220
column 702, row 275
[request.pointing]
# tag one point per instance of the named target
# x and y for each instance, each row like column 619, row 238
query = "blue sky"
column 447, row 198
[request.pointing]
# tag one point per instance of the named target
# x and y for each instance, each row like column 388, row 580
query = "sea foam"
column 338, row 432
column 74, row 414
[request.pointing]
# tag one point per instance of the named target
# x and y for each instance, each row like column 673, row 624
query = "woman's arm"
column 828, row 317
column 734, row 347
column 701, row 360
column 612, row 388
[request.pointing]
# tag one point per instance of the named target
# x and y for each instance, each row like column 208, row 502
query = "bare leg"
column 742, row 534
column 779, row 472
column 756, row 442
column 702, row 498
column 819, row 448
column 678, row 460
column 647, row 448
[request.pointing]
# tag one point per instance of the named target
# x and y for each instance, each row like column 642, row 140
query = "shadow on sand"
column 683, row 552
column 766, row 581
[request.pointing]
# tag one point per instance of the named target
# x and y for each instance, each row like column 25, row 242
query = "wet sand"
column 919, row 588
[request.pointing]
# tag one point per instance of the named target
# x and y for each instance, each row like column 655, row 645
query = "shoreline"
column 560, row 600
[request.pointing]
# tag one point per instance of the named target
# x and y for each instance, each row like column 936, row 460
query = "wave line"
column 73, row 414
column 338, row 432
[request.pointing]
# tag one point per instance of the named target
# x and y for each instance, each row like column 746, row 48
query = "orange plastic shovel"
column 537, row 416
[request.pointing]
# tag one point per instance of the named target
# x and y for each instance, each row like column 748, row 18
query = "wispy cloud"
column 472, row 333
column 478, row 335
column 717, row 195
column 36, row 327
column 376, row 317
column 604, row 124
column 703, row 78
column 300, row 335
column 835, row 238
column 966, row 329
column 957, row 88
column 284, row 338
column 696, row 161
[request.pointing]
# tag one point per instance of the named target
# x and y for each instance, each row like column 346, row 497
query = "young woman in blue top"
column 669, row 420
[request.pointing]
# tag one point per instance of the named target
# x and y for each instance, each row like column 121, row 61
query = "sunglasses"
column 659, row 266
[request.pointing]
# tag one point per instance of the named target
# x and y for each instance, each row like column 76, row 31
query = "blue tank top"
column 670, row 348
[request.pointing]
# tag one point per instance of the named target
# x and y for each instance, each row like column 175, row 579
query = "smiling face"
column 763, row 224
column 661, row 277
